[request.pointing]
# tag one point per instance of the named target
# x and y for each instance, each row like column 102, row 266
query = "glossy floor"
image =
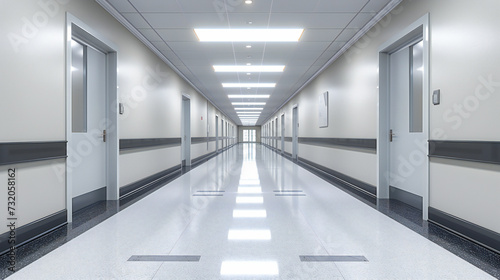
column 249, row 214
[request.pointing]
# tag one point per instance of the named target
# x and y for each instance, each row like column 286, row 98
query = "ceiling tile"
column 166, row 20
column 156, row 6
column 151, row 35
column 340, row 5
column 178, row 35
column 347, row 34
column 375, row 5
column 122, row 6
column 311, row 20
column 136, row 20
column 320, row 35
column 280, row 6
column 361, row 20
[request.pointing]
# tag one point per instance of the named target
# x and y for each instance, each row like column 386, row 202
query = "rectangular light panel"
column 249, row 103
column 249, row 85
column 248, row 109
column 248, row 35
column 248, row 96
column 249, row 68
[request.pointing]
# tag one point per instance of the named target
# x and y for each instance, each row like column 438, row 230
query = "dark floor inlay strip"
column 289, row 191
column 211, row 191
column 291, row 194
column 207, row 194
column 333, row 259
column 159, row 258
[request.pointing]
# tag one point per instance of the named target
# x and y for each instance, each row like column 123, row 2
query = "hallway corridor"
column 250, row 214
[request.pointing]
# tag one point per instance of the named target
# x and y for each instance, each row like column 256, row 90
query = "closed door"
column 408, row 159
column 295, row 133
column 87, row 147
column 282, row 134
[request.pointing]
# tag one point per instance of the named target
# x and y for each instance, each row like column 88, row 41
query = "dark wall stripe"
column 477, row 151
column 12, row 153
column 89, row 198
column 472, row 231
column 288, row 139
column 199, row 140
column 127, row 144
column 342, row 178
column 32, row 230
column 346, row 142
column 150, row 181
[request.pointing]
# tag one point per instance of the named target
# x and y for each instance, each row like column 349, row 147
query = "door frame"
column 419, row 28
column 282, row 117
column 186, row 130
column 76, row 28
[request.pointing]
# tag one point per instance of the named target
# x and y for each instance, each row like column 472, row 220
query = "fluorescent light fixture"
column 249, row 85
column 249, row 68
column 249, row 235
column 249, row 35
column 249, row 214
column 249, row 268
column 248, row 96
column 248, row 116
column 248, row 46
column 248, row 2
column 250, row 200
column 248, row 109
column 249, row 103
column 248, row 113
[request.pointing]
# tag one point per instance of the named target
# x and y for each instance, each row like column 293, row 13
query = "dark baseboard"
column 476, row 233
column 33, row 230
column 150, row 181
column 406, row 197
column 343, row 179
column 199, row 160
column 88, row 199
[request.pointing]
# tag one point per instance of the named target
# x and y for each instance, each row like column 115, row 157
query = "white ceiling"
column 329, row 25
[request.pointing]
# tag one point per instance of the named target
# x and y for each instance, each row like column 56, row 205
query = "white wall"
column 464, row 65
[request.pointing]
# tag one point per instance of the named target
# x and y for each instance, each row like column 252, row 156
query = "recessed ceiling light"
column 249, row 68
column 249, row 85
column 248, row 2
column 248, row 64
column 249, row 103
column 249, row 74
column 249, row 22
column 248, row 109
column 249, row 35
column 248, row 96
column 248, row 46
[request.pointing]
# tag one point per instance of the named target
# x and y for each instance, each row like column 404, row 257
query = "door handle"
column 104, row 135
column 391, row 136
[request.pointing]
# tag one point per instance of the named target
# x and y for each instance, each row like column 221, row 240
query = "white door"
column 408, row 158
column 87, row 147
column 186, row 132
column 216, row 133
column 282, row 134
column 295, row 133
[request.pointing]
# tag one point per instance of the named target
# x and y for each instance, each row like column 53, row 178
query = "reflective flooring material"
column 250, row 214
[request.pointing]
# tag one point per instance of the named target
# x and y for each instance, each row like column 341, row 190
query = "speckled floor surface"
column 246, row 223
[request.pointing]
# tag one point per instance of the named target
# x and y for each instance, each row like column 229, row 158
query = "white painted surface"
column 35, row 200
column 467, row 190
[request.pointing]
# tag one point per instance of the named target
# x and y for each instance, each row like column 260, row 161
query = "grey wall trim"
column 149, row 181
column 477, row 151
column 199, row 140
column 288, row 139
column 406, row 197
column 33, row 230
column 346, row 142
column 343, row 179
column 89, row 198
column 467, row 229
column 22, row 152
column 128, row 144
column 288, row 155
